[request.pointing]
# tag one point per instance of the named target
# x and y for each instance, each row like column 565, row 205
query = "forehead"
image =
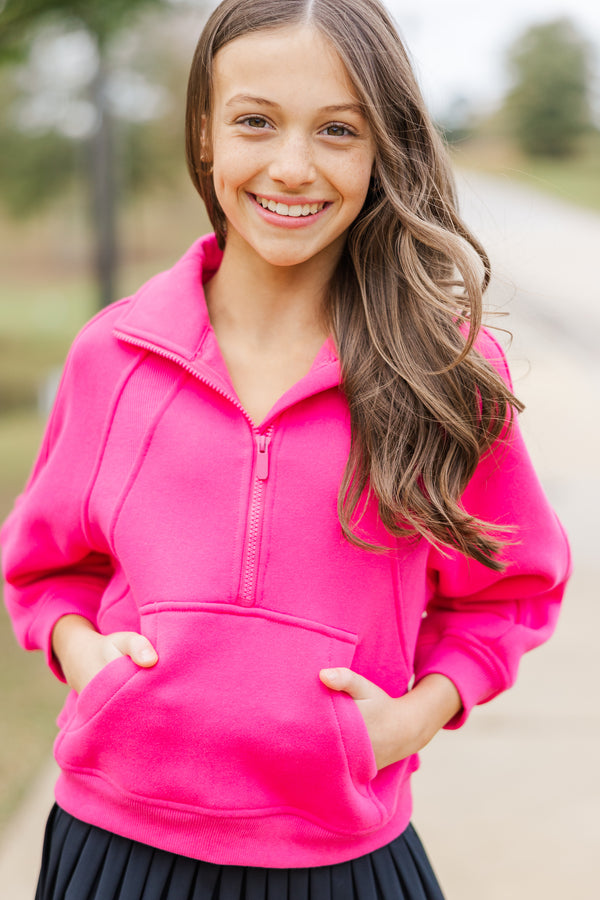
column 293, row 64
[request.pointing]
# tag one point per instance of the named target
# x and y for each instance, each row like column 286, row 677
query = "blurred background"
column 94, row 198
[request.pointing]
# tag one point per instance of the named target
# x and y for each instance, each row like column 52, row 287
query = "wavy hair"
column 405, row 303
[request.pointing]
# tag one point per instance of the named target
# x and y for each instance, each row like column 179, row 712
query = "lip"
column 288, row 221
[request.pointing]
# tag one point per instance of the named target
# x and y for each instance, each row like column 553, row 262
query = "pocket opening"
column 234, row 718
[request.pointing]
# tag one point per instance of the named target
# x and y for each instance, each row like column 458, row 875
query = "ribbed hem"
column 272, row 840
column 88, row 863
column 471, row 671
column 78, row 596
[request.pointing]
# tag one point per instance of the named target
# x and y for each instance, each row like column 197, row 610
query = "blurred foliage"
column 40, row 161
column 574, row 179
column 85, row 97
column 549, row 105
column 102, row 18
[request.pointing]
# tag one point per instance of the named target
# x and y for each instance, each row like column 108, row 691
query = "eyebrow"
column 261, row 101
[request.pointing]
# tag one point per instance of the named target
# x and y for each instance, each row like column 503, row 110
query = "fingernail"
column 147, row 655
column 331, row 674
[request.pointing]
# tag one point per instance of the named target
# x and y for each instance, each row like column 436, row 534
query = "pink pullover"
column 157, row 505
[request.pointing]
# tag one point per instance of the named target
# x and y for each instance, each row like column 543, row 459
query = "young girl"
column 283, row 527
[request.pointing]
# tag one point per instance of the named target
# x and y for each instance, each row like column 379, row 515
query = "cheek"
column 230, row 169
column 355, row 176
column 357, row 181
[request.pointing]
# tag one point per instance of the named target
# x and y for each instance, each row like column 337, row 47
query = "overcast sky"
column 458, row 45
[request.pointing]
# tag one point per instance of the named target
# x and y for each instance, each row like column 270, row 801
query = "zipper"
column 260, row 474
column 172, row 357
column 247, row 592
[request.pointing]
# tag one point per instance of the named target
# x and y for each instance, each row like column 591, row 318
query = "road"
column 508, row 806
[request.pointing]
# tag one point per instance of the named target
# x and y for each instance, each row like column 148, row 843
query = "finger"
column 136, row 646
column 342, row 679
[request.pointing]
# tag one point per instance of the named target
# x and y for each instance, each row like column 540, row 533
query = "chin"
column 285, row 257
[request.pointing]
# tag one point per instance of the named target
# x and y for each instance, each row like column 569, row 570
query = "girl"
column 283, row 527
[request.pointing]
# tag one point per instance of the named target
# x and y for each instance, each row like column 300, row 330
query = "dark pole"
column 103, row 187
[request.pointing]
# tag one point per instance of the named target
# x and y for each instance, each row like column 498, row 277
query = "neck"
column 268, row 303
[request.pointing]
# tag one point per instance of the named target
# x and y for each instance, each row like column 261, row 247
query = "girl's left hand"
column 398, row 726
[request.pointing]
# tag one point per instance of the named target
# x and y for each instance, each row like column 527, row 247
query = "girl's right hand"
column 82, row 652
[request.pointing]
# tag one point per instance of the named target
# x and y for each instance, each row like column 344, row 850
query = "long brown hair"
column 405, row 304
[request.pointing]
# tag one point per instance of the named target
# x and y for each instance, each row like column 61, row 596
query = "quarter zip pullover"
column 157, row 505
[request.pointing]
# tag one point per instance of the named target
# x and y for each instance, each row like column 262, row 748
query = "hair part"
column 405, row 304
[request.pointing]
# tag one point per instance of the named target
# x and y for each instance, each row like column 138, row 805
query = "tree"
column 87, row 134
column 549, row 104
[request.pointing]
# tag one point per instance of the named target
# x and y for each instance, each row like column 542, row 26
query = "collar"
column 169, row 316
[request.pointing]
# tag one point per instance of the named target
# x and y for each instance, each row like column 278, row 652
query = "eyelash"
column 245, row 120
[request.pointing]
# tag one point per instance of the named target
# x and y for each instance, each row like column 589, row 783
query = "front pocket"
column 103, row 686
column 234, row 719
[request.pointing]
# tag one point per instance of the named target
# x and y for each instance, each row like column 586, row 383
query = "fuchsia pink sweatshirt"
column 157, row 505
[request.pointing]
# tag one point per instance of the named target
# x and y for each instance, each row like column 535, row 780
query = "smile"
column 295, row 210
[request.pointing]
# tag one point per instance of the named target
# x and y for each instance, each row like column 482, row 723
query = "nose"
column 293, row 163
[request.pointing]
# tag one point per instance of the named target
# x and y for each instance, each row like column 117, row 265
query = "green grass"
column 20, row 435
column 574, row 180
column 37, row 324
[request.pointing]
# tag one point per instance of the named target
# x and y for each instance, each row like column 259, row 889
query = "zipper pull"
column 262, row 458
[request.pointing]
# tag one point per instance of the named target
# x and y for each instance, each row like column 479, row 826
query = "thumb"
column 342, row 679
column 136, row 646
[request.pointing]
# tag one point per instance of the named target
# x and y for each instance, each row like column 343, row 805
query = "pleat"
column 298, row 884
column 320, row 883
column 56, row 834
column 81, row 862
column 363, row 878
column 207, row 881
column 136, row 872
column 73, row 844
column 85, row 875
column 182, row 879
column 49, row 856
column 386, row 877
column 113, row 871
column 231, row 883
column 256, row 884
column 422, row 864
column 408, row 872
column 157, row 884
column 277, row 884
column 342, row 887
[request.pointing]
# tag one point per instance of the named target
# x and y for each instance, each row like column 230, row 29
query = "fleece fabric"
column 157, row 505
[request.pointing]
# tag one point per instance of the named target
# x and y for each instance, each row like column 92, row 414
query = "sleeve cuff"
column 476, row 679
column 75, row 599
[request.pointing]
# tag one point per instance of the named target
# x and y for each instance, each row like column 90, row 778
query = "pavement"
column 509, row 806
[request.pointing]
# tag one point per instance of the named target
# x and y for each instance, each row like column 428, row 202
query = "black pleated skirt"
column 82, row 862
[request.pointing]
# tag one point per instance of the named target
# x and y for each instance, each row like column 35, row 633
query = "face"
column 292, row 153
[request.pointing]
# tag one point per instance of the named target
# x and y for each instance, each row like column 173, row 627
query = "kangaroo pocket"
column 233, row 719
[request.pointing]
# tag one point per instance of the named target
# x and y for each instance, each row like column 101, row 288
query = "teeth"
column 297, row 210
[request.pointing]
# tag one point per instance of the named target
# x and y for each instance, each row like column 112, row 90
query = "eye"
column 257, row 122
column 336, row 129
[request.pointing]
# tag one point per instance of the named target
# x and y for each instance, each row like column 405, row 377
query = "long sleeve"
column 479, row 623
column 51, row 566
